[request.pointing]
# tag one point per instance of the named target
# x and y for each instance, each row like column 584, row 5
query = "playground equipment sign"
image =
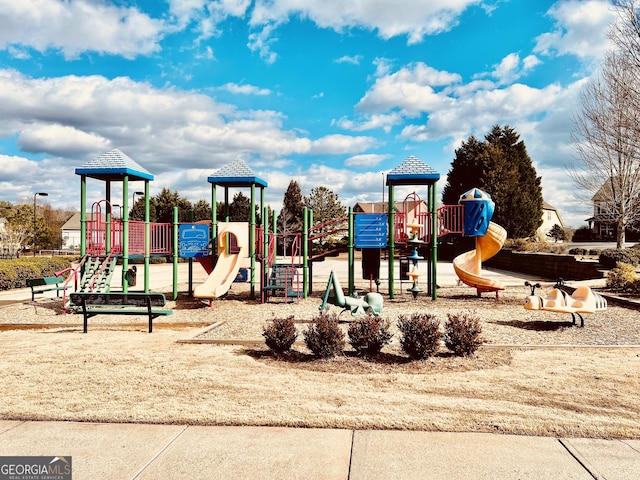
column 194, row 240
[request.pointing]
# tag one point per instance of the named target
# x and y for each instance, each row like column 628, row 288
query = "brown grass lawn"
column 537, row 375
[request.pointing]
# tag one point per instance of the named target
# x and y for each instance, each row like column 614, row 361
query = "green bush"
column 369, row 335
column 610, row 257
column 280, row 334
column 583, row 234
column 324, row 337
column 15, row 272
column 578, row 251
column 462, row 334
column 420, row 335
column 622, row 277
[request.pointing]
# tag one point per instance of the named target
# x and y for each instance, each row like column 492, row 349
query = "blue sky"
column 329, row 93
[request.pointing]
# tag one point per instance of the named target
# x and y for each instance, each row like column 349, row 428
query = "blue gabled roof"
column 236, row 174
column 113, row 165
column 412, row 171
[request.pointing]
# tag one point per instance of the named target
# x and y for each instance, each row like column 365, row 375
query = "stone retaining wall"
column 546, row 265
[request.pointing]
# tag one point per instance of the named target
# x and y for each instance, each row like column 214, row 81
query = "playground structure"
column 250, row 250
column 233, row 247
column 489, row 236
column 582, row 300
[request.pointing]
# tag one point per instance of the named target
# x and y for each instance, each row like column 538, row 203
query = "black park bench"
column 46, row 284
column 120, row 303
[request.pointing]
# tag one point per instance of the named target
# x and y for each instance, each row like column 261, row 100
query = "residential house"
column 70, row 231
column 550, row 217
column 603, row 222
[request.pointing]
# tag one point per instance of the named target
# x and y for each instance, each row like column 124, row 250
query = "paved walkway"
column 155, row 452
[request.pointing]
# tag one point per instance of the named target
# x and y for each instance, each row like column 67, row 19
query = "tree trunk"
column 620, row 233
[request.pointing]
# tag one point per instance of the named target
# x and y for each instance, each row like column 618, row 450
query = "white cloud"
column 335, row 144
column 371, row 122
column 59, row 140
column 163, row 129
column 206, row 14
column 368, row 160
column 261, row 42
column 354, row 60
column 581, row 29
column 414, row 19
column 245, row 89
column 411, row 89
column 78, row 26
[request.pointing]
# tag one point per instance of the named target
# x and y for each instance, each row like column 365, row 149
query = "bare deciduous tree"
column 605, row 135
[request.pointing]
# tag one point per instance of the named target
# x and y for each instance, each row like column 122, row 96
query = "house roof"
column 412, row 171
column 114, row 165
column 236, row 174
column 74, row 222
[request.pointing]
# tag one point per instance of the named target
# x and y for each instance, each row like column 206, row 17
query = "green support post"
column 125, row 232
column 175, row 253
column 252, row 241
column 305, row 250
column 434, row 241
column 392, row 240
column 274, row 220
column 351, row 253
column 147, row 235
column 83, row 215
column 107, row 237
column 265, row 249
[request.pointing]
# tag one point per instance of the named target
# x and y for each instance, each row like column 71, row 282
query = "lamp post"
column 120, row 207
column 42, row 194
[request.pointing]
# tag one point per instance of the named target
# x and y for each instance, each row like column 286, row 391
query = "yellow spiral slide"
column 468, row 266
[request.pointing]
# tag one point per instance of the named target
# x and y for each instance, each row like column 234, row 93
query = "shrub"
column 516, row 244
column 595, row 252
column 611, row 256
column 622, row 277
column 15, row 272
column 324, row 337
column 462, row 334
column 578, row 251
column 279, row 334
column 369, row 334
column 420, row 335
column 583, row 234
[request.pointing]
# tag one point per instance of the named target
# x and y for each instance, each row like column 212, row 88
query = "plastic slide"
column 229, row 263
column 468, row 266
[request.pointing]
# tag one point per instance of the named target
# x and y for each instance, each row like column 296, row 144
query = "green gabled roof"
column 114, row 165
column 412, row 171
column 236, row 174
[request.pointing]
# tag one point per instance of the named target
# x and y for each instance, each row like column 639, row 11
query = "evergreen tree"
column 239, row 208
column 465, row 170
column 325, row 205
column 164, row 203
column 290, row 217
column 201, row 211
column 502, row 167
column 557, row 233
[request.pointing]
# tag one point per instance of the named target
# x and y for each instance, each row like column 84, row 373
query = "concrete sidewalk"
column 138, row 451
